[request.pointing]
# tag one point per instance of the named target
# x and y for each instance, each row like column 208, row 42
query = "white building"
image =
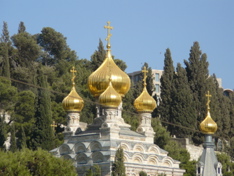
column 98, row 142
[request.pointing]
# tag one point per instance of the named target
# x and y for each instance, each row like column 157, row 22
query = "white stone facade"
column 98, row 143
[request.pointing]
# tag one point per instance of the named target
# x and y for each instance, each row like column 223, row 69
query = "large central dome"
column 98, row 81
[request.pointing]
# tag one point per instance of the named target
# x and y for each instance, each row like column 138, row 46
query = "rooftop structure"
column 208, row 164
column 98, row 142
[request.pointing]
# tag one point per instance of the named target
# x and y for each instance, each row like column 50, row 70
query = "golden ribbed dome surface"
column 208, row 125
column 98, row 81
column 73, row 102
column 110, row 98
column 144, row 103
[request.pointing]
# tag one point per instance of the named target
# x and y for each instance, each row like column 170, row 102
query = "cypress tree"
column 149, row 80
column 21, row 28
column 22, row 139
column 98, row 56
column 3, row 132
column 97, row 170
column 142, row 173
column 118, row 168
column 5, row 44
column 13, row 146
column 220, row 109
column 166, row 87
column 43, row 133
column 197, row 73
column 182, row 108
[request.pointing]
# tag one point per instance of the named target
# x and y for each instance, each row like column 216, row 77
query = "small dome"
column 145, row 103
column 208, row 125
column 110, row 97
column 73, row 102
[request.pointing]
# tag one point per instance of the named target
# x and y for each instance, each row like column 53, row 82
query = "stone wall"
column 194, row 151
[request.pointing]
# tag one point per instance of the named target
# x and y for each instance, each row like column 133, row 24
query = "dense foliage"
column 35, row 77
column 183, row 100
column 39, row 162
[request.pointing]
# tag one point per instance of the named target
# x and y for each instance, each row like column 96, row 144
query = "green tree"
column 98, row 56
column 27, row 162
column 27, row 48
column 24, row 116
column 166, row 88
column 182, row 107
column 162, row 136
column 94, row 171
column 8, row 94
column 197, row 73
column 21, row 142
column 13, row 146
column 25, row 107
column 43, row 133
column 89, row 172
column 3, row 132
column 129, row 113
column 97, row 170
column 55, row 47
column 21, row 28
column 227, row 164
column 120, row 63
column 142, row 173
column 5, row 44
column 182, row 155
column 118, row 168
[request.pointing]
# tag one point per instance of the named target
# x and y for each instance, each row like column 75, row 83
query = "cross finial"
column 144, row 71
column 208, row 95
column 53, row 125
column 108, row 27
column 73, row 71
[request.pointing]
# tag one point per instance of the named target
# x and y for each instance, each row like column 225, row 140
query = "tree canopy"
column 31, row 163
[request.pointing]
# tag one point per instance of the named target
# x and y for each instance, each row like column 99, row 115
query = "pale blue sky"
column 142, row 29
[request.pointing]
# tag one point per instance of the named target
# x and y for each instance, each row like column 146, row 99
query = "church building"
column 96, row 144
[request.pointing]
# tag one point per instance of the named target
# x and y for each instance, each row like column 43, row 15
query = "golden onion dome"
column 98, row 81
column 208, row 125
column 73, row 102
column 145, row 103
column 110, row 97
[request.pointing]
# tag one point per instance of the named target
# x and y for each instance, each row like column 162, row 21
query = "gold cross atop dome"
column 53, row 125
column 144, row 71
column 108, row 27
column 208, row 95
column 73, row 71
column 208, row 125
